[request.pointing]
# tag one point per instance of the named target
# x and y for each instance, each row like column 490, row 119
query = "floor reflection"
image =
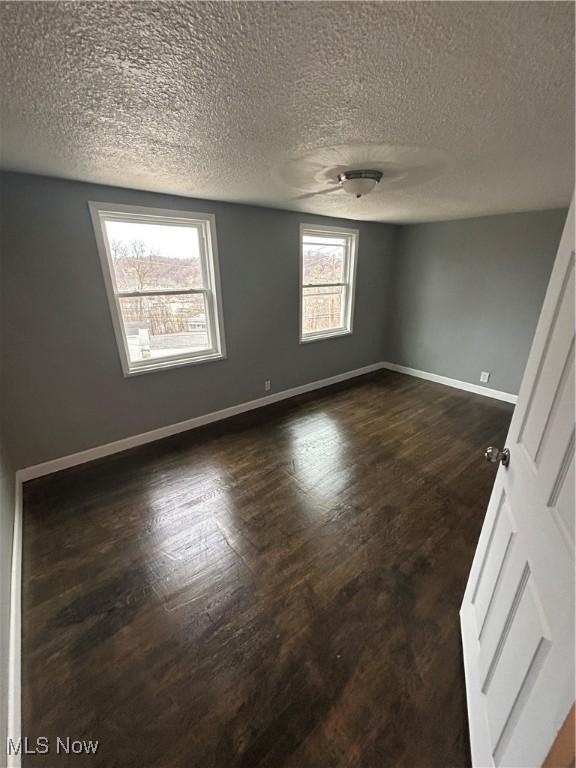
column 319, row 456
column 187, row 550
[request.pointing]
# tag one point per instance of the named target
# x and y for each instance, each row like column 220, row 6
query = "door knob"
column 495, row 455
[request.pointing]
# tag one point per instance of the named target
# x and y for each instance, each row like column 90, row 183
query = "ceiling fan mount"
column 357, row 169
column 359, row 183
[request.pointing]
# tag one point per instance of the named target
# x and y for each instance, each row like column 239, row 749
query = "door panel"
column 552, row 374
column 498, row 551
column 518, row 610
column 562, row 500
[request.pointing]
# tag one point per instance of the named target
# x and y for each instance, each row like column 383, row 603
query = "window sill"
column 167, row 364
column 324, row 336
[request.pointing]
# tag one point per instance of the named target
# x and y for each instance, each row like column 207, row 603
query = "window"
column 161, row 274
column 327, row 274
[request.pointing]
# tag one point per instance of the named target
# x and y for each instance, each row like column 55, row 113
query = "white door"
column 517, row 615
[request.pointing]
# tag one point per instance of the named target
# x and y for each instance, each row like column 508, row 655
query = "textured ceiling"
column 467, row 107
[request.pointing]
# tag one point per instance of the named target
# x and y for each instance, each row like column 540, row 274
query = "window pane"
column 324, row 239
column 322, row 309
column 154, row 256
column 323, row 260
column 163, row 326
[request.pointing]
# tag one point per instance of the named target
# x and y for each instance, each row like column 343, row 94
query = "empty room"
column 287, row 384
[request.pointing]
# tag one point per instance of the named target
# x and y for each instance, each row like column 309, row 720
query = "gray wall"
column 64, row 386
column 451, row 298
column 467, row 295
column 6, row 530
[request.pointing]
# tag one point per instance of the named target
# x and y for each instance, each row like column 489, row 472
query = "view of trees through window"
column 164, row 260
column 164, row 299
column 324, row 279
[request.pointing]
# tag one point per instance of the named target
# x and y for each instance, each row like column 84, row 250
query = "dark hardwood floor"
column 280, row 590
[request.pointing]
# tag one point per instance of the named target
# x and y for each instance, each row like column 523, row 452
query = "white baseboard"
column 478, row 389
column 14, row 658
column 56, row 465
column 82, row 457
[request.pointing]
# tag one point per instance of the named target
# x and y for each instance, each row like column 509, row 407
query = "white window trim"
column 207, row 228
column 352, row 235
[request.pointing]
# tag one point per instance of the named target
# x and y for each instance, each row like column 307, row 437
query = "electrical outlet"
column 484, row 377
column 267, row 385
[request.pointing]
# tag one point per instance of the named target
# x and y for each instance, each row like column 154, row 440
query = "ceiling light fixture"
column 359, row 183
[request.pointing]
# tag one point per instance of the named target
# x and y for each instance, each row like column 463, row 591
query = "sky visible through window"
column 169, row 241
